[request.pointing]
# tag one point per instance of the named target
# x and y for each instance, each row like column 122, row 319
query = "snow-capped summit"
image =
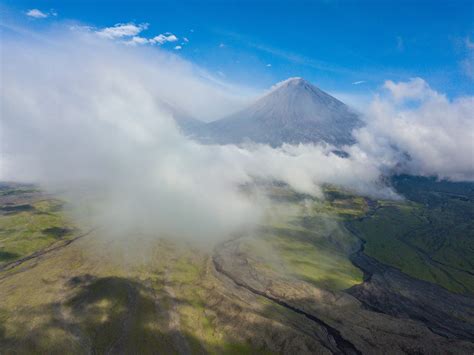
column 293, row 111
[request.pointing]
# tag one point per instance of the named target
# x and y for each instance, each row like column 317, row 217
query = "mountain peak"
column 299, row 87
column 293, row 81
column 293, row 111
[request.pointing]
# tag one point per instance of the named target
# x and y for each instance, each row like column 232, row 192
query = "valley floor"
column 311, row 280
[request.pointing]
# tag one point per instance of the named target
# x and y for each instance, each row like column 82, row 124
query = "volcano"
column 294, row 111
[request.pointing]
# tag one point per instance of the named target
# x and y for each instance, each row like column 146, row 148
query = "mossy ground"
column 96, row 294
column 430, row 236
column 27, row 228
column 304, row 237
column 91, row 296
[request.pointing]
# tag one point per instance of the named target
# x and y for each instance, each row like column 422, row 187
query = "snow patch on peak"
column 292, row 80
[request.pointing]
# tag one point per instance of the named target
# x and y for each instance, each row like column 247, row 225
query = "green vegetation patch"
column 342, row 204
column 27, row 228
column 430, row 236
column 312, row 262
column 308, row 235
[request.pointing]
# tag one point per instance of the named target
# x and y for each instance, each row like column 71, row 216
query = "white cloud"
column 111, row 131
column 185, row 39
column 268, row 65
column 358, row 82
column 418, row 130
column 137, row 40
column 413, row 89
column 128, row 33
column 163, row 38
column 81, row 28
column 121, row 30
column 37, row 13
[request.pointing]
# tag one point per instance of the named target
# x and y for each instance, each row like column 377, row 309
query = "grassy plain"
column 430, row 235
column 26, row 227
column 307, row 237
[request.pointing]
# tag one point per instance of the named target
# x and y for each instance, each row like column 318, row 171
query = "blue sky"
column 334, row 44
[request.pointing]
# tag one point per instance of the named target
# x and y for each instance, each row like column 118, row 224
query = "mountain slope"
column 187, row 124
column 293, row 112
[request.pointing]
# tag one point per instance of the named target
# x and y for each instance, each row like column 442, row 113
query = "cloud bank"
column 82, row 112
column 415, row 129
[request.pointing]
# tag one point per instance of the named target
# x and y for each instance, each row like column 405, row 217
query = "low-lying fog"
column 81, row 111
